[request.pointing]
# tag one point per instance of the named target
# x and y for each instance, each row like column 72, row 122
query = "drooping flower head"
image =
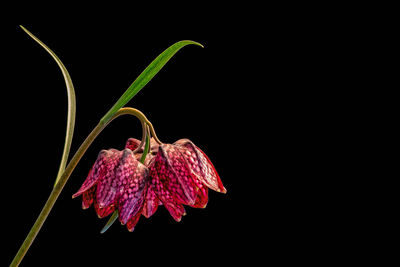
column 172, row 175
column 117, row 181
column 180, row 174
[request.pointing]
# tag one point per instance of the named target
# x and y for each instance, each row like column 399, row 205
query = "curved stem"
column 153, row 133
column 144, row 127
column 64, row 178
column 147, row 145
column 142, row 118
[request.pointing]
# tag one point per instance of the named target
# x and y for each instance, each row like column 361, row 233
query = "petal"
column 168, row 200
column 176, row 210
column 103, row 212
column 96, row 173
column 132, row 222
column 133, row 176
column 108, row 186
column 211, row 176
column 87, row 197
column 132, row 143
column 151, row 203
column 202, row 197
column 175, row 174
column 153, row 147
column 200, row 165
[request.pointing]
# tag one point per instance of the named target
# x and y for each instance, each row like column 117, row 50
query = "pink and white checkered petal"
column 150, row 203
column 200, row 165
column 176, row 175
column 108, row 186
column 210, row 175
column 132, row 143
column 125, row 170
column 164, row 195
column 132, row 198
column 96, row 173
column 189, row 152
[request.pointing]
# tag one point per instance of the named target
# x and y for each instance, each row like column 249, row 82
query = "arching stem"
column 65, row 176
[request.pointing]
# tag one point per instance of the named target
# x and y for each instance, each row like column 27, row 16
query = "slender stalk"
column 147, row 146
column 64, row 178
column 144, row 131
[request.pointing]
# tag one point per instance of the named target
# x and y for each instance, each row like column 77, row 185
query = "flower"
column 117, row 181
column 180, row 174
column 172, row 175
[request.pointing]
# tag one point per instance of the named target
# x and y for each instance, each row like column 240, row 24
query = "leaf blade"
column 71, row 104
column 155, row 66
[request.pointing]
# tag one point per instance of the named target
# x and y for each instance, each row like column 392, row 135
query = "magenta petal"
column 151, row 203
column 103, row 212
column 175, row 174
column 132, row 222
column 87, row 197
column 202, row 197
column 133, row 175
column 108, row 186
column 200, row 165
column 95, row 174
column 211, row 176
column 132, row 143
column 176, row 210
column 164, row 195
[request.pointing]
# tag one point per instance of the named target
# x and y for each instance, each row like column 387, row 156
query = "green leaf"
column 112, row 219
column 146, row 76
column 71, row 105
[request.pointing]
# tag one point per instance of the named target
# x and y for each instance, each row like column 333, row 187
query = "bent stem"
column 64, row 178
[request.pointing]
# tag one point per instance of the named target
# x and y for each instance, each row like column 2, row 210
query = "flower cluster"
column 172, row 175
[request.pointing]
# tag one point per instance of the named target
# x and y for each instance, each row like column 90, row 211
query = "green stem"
column 63, row 180
column 146, row 146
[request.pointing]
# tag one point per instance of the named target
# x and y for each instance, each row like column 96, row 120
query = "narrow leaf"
column 146, row 76
column 112, row 219
column 71, row 105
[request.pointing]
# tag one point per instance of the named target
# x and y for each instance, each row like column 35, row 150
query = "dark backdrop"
column 201, row 94
column 246, row 99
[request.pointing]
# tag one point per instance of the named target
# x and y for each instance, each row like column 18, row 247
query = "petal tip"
column 77, row 194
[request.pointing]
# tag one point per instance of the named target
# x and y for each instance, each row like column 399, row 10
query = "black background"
column 244, row 99
column 201, row 94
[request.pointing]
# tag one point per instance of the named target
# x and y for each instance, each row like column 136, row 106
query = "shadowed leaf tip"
column 193, row 42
